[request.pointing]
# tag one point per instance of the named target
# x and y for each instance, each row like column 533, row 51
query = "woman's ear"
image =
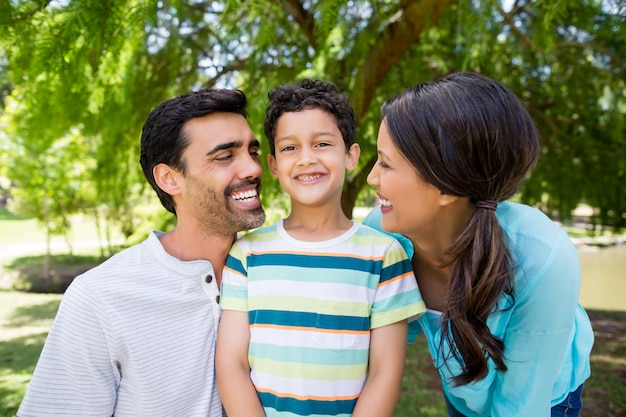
column 167, row 179
column 448, row 199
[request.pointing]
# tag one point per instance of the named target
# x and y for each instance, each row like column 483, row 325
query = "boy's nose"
column 307, row 157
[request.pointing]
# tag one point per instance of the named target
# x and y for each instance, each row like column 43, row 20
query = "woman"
column 500, row 280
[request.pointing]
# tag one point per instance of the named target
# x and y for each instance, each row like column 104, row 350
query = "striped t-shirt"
column 311, row 307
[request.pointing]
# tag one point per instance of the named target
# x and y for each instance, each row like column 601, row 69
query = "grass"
column 24, row 323
column 25, row 319
column 15, row 229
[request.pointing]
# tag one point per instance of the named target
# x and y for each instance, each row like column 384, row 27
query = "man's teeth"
column 246, row 195
column 384, row 202
column 308, row 178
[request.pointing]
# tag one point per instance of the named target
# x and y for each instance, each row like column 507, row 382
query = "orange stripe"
column 235, row 272
column 307, row 397
column 389, row 281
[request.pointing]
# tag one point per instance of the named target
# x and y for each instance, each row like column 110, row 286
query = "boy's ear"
column 167, row 179
column 352, row 157
column 271, row 163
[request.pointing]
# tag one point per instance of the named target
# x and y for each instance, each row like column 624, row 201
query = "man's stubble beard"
column 219, row 215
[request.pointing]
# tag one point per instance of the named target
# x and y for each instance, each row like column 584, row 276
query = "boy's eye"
column 323, row 144
column 287, row 148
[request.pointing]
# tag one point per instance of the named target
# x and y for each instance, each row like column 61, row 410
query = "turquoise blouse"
column 547, row 334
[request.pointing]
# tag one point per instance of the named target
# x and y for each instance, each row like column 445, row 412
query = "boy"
column 315, row 307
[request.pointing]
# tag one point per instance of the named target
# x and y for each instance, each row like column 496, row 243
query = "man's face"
column 223, row 175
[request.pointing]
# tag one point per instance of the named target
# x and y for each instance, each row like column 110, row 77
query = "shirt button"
column 209, row 278
column 217, row 299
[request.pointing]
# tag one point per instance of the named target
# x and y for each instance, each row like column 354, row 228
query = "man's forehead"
column 219, row 129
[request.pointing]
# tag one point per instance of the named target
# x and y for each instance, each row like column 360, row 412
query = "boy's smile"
column 311, row 158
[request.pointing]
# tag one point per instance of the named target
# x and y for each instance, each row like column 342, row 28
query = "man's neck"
column 192, row 245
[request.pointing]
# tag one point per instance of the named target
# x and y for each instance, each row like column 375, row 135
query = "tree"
column 102, row 65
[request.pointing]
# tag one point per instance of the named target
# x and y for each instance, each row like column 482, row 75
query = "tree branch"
column 303, row 18
column 404, row 29
column 508, row 18
column 232, row 66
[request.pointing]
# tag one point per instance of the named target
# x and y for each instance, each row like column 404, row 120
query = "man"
column 135, row 336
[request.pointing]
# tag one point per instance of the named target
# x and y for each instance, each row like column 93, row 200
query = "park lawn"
column 25, row 319
column 14, row 229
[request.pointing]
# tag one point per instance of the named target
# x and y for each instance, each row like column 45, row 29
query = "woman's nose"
column 372, row 177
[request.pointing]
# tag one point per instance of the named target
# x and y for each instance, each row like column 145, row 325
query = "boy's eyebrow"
column 231, row 145
column 314, row 134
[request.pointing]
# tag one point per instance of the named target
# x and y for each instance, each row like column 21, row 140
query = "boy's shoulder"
column 259, row 234
column 366, row 231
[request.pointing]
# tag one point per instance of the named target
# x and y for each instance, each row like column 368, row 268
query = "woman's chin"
column 388, row 226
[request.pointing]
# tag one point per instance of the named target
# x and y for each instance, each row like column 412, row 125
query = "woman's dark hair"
column 469, row 136
column 163, row 140
column 310, row 94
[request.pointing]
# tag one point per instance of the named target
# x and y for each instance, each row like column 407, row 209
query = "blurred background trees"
column 79, row 77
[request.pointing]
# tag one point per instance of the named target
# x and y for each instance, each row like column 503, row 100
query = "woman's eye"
column 383, row 164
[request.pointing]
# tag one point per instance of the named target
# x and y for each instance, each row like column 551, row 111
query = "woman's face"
column 408, row 203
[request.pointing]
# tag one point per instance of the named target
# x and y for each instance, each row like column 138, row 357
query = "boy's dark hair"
column 162, row 137
column 310, row 94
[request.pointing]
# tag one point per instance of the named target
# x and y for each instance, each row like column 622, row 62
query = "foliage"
column 25, row 319
column 50, row 184
column 97, row 68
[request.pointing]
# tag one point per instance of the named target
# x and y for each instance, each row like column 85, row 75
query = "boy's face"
column 311, row 158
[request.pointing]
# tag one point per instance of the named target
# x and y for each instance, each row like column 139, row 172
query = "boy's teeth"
column 307, row 178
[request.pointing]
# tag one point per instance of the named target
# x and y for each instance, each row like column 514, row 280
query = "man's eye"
column 255, row 154
column 224, row 157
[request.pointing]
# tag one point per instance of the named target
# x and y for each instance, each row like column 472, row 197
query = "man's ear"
column 271, row 163
column 167, row 178
column 352, row 157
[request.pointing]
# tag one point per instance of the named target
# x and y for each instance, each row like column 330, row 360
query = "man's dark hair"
column 163, row 140
column 310, row 94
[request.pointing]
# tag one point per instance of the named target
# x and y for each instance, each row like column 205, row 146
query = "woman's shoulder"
column 523, row 220
column 540, row 247
column 372, row 220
